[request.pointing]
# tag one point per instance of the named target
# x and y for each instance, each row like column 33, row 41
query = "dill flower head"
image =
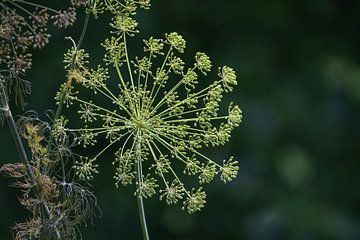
column 160, row 119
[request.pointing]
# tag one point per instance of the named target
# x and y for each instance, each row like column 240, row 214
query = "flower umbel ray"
column 160, row 117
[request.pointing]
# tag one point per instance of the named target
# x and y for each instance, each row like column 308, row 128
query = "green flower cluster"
column 160, row 118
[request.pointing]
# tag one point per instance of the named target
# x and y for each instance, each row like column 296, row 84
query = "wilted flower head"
column 23, row 27
column 65, row 18
column 160, row 120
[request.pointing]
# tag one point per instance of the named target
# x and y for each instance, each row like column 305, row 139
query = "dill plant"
column 23, row 28
column 56, row 202
column 159, row 120
column 159, row 123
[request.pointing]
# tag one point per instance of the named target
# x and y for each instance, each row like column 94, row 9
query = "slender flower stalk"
column 140, row 200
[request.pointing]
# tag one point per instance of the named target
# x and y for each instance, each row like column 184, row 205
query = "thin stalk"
column 128, row 63
column 61, row 102
column 17, row 139
column 83, row 31
column 22, row 154
column 144, row 230
column 39, row 6
column 140, row 201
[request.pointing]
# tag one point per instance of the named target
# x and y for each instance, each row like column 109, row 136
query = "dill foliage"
column 58, row 205
column 56, row 202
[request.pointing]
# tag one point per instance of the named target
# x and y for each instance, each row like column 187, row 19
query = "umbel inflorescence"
column 160, row 119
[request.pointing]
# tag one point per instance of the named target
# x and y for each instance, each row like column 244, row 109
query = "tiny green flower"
column 208, row 173
column 128, row 9
column 203, row 62
column 95, row 7
column 228, row 77
column 161, row 77
column 176, row 64
column 75, row 58
column 192, row 165
column 115, row 51
column 59, row 130
column 87, row 138
column 176, row 41
column 124, row 175
column 87, row 112
column 146, row 187
column 154, row 46
column 229, row 170
column 96, row 78
column 143, row 65
column 85, row 168
column 68, row 92
column 162, row 165
column 195, row 201
column 190, row 80
column 124, row 24
column 145, row 4
column 235, row 115
column 172, row 193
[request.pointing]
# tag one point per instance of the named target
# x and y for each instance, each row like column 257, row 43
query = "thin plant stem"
column 17, row 139
column 83, row 31
column 22, row 153
column 139, row 197
column 61, row 102
column 144, row 230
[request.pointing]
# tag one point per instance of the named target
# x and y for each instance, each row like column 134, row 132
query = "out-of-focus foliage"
column 298, row 67
column 23, row 27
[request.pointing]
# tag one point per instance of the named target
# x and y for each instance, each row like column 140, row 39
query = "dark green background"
column 298, row 65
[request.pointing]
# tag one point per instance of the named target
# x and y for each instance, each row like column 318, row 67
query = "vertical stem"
column 16, row 136
column 61, row 102
column 83, row 32
column 139, row 197
column 144, row 230
column 21, row 150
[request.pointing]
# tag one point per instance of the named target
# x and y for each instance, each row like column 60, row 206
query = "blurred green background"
column 298, row 65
